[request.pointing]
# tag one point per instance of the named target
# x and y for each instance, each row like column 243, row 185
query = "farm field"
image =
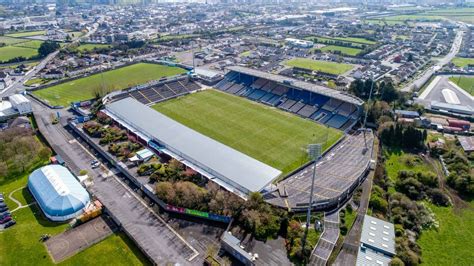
column 21, row 240
column 271, row 136
column 462, row 62
column 466, row 83
column 315, row 65
column 342, row 49
column 113, row 80
column 450, row 243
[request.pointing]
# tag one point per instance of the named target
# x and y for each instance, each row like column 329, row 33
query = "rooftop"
column 299, row 84
column 378, row 234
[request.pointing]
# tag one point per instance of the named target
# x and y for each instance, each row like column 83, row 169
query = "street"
column 421, row 80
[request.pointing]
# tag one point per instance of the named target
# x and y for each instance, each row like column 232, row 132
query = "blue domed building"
column 58, row 193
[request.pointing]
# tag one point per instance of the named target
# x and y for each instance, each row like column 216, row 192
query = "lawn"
column 316, row 65
column 462, row 62
column 10, row 52
column 84, row 88
column 451, row 243
column 91, row 46
column 269, row 135
column 464, row 82
column 342, row 49
column 26, row 33
column 396, row 160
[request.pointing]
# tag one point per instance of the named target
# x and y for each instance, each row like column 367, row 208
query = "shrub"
column 438, row 197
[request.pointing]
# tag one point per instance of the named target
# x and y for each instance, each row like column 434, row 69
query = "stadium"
column 251, row 131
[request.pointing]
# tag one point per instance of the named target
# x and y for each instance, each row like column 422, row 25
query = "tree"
column 47, row 48
column 388, row 92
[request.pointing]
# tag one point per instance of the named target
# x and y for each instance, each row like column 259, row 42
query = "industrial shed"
column 58, row 193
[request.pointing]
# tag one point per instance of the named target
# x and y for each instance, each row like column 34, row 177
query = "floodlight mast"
column 364, row 126
column 314, row 151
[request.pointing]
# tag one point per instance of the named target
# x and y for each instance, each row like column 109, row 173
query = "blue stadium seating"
column 322, row 109
column 256, row 95
column 337, row 121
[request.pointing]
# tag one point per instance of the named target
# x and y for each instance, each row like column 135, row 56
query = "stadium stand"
column 161, row 91
column 321, row 104
column 339, row 172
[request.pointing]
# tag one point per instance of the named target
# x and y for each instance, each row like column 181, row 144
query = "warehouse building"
column 377, row 242
column 58, row 193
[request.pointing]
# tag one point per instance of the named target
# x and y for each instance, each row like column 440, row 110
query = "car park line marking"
column 196, row 253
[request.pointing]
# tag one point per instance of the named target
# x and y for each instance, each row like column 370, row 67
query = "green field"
column 396, row 160
column 26, row 33
column 271, row 136
column 323, row 66
column 85, row 88
column 10, row 52
column 354, row 40
column 462, row 62
column 451, row 243
column 91, row 46
column 466, row 83
column 342, row 49
column 20, row 245
column 10, row 40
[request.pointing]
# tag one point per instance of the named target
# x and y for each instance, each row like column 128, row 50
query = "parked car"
column 5, row 214
column 2, row 204
column 2, row 209
column 10, row 223
column 6, row 219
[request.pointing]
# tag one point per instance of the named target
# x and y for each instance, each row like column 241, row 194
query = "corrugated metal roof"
column 378, row 234
column 299, row 84
column 212, row 156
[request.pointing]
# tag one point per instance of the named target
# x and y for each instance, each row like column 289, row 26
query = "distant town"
column 235, row 132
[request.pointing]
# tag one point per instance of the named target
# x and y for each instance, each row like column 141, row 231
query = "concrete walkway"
column 327, row 241
column 17, row 202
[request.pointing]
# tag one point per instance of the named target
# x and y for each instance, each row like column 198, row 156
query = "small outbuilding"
column 58, row 193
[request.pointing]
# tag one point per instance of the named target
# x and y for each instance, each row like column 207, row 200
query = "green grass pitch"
column 118, row 79
column 342, row 49
column 316, row 65
column 269, row 135
column 465, row 82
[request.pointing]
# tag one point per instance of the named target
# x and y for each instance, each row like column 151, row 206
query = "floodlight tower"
column 364, row 126
column 314, row 151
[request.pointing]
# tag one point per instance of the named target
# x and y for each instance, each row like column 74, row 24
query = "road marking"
column 196, row 253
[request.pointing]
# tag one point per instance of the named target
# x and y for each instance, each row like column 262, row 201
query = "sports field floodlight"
column 314, row 152
column 364, row 126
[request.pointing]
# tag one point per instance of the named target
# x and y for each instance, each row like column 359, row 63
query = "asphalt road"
column 17, row 85
column 155, row 237
column 421, row 80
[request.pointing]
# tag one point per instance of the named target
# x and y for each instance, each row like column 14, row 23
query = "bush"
column 378, row 204
column 438, row 197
